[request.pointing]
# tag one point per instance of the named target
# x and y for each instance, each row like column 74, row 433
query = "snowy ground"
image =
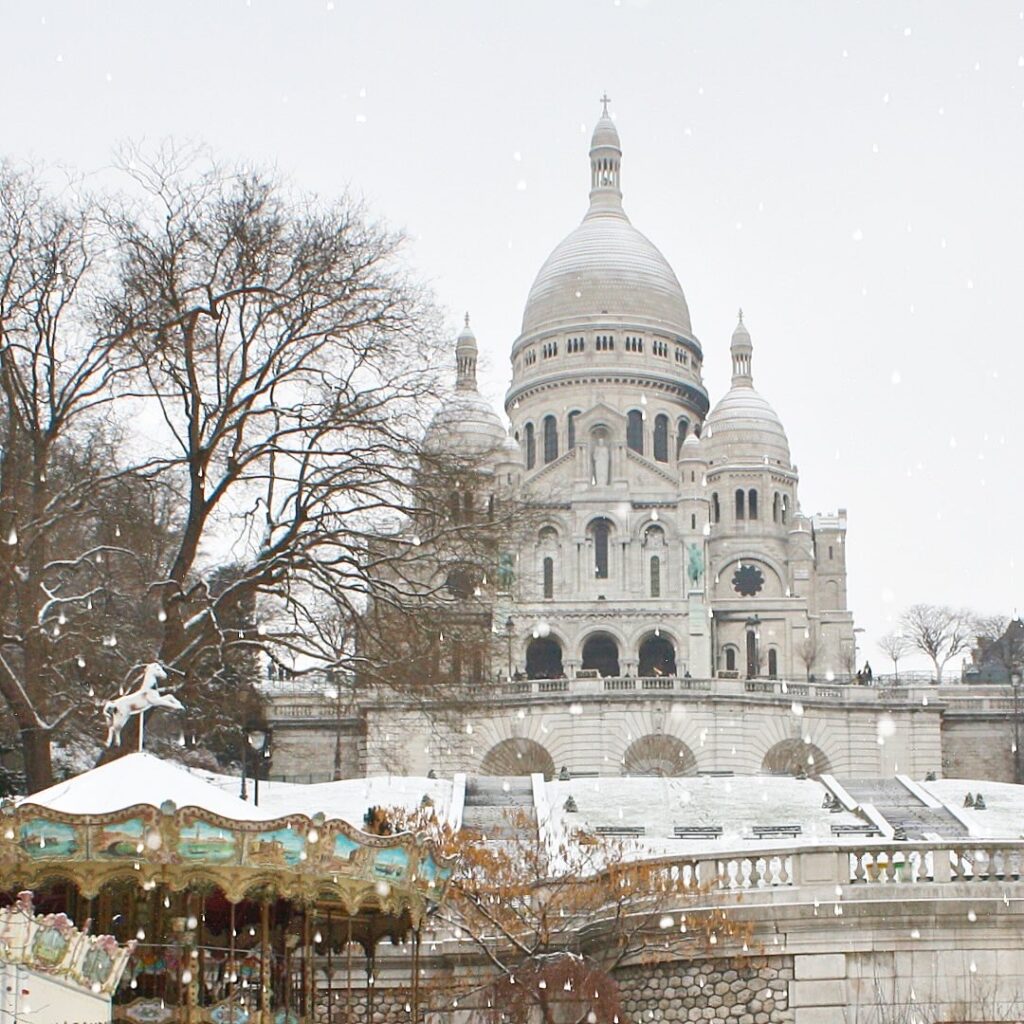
column 145, row 779
column 1004, row 814
column 735, row 803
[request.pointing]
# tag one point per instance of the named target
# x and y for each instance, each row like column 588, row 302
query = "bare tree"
column 808, row 650
column 894, row 646
column 938, row 631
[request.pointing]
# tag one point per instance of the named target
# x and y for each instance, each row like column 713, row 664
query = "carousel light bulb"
column 318, row 938
column 191, row 922
column 141, row 934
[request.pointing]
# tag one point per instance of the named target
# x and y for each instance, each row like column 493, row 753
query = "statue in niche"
column 601, row 458
column 694, row 564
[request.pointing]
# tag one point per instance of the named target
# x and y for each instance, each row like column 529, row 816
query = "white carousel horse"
column 117, row 712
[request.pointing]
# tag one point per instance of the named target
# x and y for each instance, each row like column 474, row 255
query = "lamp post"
column 333, row 693
column 259, row 740
column 1015, row 683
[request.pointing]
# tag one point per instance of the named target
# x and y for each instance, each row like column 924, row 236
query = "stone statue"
column 602, row 462
column 694, row 563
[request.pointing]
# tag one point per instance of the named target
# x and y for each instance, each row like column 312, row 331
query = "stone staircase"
column 491, row 803
column 900, row 807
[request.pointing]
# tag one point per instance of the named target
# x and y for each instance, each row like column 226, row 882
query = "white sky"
column 851, row 174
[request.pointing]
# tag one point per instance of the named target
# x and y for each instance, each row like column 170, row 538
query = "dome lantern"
column 742, row 350
column 466, row 352
column 605, row 166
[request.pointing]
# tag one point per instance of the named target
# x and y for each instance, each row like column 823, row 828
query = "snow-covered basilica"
column 671, row 541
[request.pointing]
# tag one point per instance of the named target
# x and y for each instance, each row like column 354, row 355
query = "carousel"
column 153, row 890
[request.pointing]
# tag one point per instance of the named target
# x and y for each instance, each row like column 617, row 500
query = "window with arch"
column 531, row 446
column 549, row 578
column 776, row 508
column 682, row 426
column 655, row 576
column 455, row 507
column 752, row 504
column 716, row 508
column 693, row 520
column 740, row 504
column 730, row 659
column 548, row 536
column 550, row 439
column 635, row 431
column 600, row 533
column 570, row 426
column 773, row 662
column 661, row 438
column 785, row 508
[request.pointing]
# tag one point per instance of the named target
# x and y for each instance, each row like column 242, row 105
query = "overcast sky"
column 851, row 174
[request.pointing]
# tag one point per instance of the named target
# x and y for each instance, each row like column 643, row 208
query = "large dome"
column 607, row 267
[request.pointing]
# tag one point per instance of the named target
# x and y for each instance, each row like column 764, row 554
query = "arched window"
column 776, row 508
column 635, row 431
column 751, row 504
column 600, row 529
column 571, row 428
column 716, row 508
column 490, row 509
column 730, row 659
column 549, row 578
column 739, row 504
column 531, row 447
column 681, row 428
column 773, row 662
column 467, row 506
column 785, row 508
column 661, row 438
column 550, row 439
column 655, row 576
column 455, row 507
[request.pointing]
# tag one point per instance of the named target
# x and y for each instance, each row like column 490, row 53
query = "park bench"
column 856, row 830
column 696, row 831
column 775, row 831
column 621, row 830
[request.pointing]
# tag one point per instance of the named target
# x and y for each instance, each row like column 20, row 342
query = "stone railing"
column 871, row 862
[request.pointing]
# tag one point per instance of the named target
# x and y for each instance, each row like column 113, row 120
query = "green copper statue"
column 695, row 563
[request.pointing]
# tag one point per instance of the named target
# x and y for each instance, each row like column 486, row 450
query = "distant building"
column 993, row 659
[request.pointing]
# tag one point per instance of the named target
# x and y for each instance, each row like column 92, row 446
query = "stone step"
column 901, row 808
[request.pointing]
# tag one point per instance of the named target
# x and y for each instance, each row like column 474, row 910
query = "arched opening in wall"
column 752, row 655
column 776, row 508
column 517, row 756
column 751, row 504
column 531, row 446
column 785, row 508
column 601, row 653
column 657, row 656
column 550, row 439
column 661, row 755
column 544, row 658
column 635, row 431
column 655, row 571
column 455, row 507
column 716, row 508
column 461, row 583
column 600, row 531
column 549, row 578
column 570, row 427
column 730, row 658
column 773, row 663
column 661, row 438
column 740, row 503
column 682, row 426
column 795, row 757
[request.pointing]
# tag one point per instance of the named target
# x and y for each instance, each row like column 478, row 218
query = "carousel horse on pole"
column 138, row 702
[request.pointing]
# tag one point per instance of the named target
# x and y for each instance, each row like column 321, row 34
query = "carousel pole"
column 348, row 990
column 264, row 962
column 308, row 1008
column 232, row 969
column 371, row 981
column 416, row 976
column 330, row 968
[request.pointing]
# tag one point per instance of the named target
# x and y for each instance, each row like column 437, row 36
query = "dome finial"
column 467, row 317
column 605, row 100
column 465, row 358
column 741, row 316
column 742, row 350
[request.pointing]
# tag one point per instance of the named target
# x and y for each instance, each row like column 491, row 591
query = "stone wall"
column 977, row 747
column 754, row 990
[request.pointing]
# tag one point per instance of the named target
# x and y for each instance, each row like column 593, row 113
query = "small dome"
column 744, row 428
column 466, row 424
column 692, row 441
column 605, row 134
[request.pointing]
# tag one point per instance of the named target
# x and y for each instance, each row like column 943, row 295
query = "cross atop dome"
column 605, row 100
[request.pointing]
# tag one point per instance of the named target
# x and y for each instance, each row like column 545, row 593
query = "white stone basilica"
column 672, row 543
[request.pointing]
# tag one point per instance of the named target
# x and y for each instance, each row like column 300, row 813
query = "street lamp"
column 333, row 693
column 1015, row 683
column 259, row 740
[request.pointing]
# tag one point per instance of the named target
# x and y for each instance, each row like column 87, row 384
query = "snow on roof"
column 734, row 803
column 142, row 778
column 1004, row 802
